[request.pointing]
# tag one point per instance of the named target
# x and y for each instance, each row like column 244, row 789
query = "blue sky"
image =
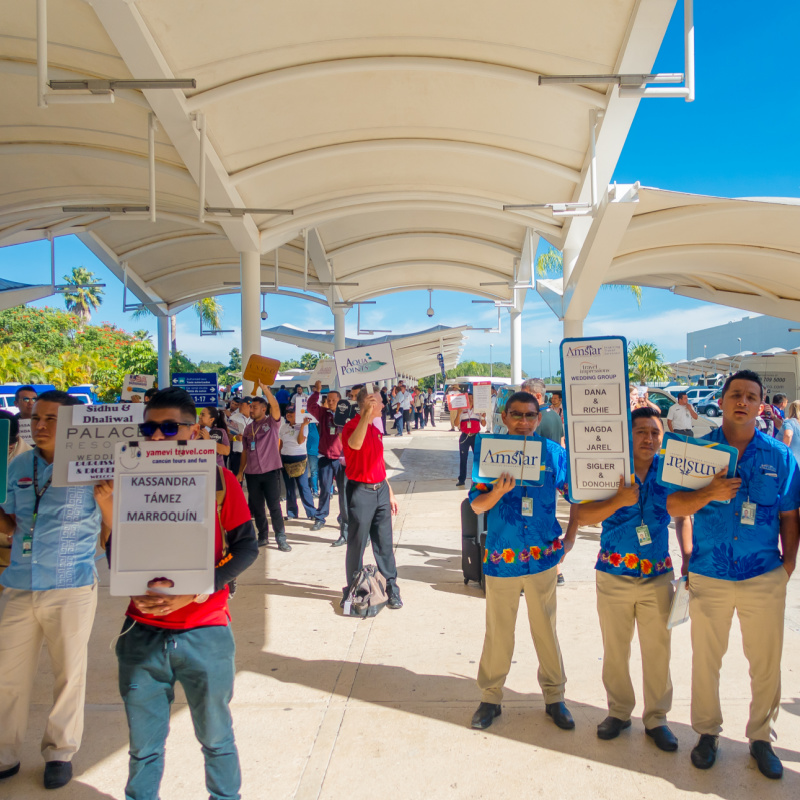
column 738, row 139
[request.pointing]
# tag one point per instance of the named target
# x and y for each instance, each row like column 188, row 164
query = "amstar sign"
column 519, row 456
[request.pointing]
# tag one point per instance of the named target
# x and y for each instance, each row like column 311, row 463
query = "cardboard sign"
column 261, row 368
column 482, row 397
column 202, row 386
column 25, row 431
column 164, row 516
column 520, row 456
column 5, row 435
column 325, row 372
column 345, row 410
column 134, row 386
column 456, row 401
column 85, row 440
column 362, row 364
column 597, row 418
column 692, row 463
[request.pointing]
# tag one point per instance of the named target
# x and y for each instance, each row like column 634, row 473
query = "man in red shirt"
column 186, row 638
column 370, row 499
column 330, row 454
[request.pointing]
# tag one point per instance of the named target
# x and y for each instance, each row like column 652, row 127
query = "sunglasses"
column 168, row 428
column 527, row 416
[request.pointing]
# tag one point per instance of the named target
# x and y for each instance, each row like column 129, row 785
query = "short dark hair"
column 174, row 397
column 555, row 392
column 149, row 393
column 743, row 375
column 336, row 392
column 25, row 388
column 13, row 431
column 679, row 395
column 62, row 398
column 258, row 399
column 778, row 398
column 645, row 413
column 525, row 398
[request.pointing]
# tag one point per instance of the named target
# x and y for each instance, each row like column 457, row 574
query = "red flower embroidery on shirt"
column 631, row 560
column 536, row 553
column 557, row 544
column 646, row 566
column 615, row 559
column 668, row 562
column 508, row 555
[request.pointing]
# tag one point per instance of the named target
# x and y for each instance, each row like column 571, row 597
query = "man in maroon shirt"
column 330, row 466
column 370, row 499
column 261, row 465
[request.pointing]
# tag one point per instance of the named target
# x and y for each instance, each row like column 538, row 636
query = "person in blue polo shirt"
column 51, row 588
column 634, row 589
column 523, row 547
column 744, row 550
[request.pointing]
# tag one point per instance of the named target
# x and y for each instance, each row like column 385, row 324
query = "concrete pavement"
column 330, row 707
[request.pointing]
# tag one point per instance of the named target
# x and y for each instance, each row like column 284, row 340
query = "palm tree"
column 646, row 363
column 83, row 298
column 552, row 263
column 142, row 335
column 208, row 310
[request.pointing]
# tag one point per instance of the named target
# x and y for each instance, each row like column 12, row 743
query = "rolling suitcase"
column 471, row 546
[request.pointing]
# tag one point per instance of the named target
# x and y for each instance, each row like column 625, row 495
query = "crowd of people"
column 738, row 540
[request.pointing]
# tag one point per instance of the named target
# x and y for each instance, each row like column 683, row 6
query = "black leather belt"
column 373, row 487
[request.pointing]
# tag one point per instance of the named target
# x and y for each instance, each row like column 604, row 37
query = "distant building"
column 757, row 333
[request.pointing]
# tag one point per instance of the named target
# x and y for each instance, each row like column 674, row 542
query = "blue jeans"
column 330, row 471
column 313, row 473
column 295, row 486
column 151, row 660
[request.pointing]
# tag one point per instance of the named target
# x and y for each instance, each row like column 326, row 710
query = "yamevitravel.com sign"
column 364, row 364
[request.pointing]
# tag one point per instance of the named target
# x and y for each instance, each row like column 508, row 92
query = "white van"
column 779, row 371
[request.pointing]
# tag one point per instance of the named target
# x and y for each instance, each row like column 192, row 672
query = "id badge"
column 643, row 533
column 27, row 544
column 253, row 445
column 748, row 513
column 527, row 506
column 332, row 430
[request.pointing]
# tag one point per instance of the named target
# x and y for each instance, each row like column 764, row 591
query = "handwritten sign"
column 85, row 440
column 482, row 397
column 456, row 401
column 520, row 456
column 25, row 431
column 134, row 386
column 261, row 368
column 596, row 415
column 361, row 364
column 164, row 516
column 692, row 463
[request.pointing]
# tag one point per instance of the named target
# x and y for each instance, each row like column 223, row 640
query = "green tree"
column 142, row 335
column 646, row 363
column 292, row 363
column 83, row 298
column 309, row 360
column 551, row 265
column 235, row 363
column 208, row 310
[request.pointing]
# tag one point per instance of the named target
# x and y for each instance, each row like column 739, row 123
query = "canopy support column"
column 163, row 352
column 516, row 345
column 250, row 270
column 573, row 327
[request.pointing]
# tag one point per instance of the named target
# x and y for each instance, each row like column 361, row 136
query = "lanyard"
column 36, row 491
column 643, row 492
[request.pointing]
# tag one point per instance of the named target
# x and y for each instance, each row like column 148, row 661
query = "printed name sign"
column 164, row 517
column 25, row 431
column 134, row 386
column 692, row 463
column 455, row 401
column 261, row 368
column 597, row 419
column 85, row 440
column 363, row 364
column 482, row 397
column 520, row 456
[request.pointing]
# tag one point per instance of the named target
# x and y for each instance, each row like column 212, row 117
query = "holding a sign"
column 261, row 368
column 134, row 387
column 693, row 463
column 518, row 456
column 362, row 364
column 596, row 415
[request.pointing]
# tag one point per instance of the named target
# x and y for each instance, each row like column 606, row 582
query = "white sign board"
column 25, row 431
column 85, row 439
column 482, row 397
column 364, row 364
column 596, row 415
column 134, row 386
column 325, row 372
column 519, row 456
column 456, row 401
column 164, row 517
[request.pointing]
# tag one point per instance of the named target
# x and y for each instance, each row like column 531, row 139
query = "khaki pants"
column 502, row 603
column 760, row 604
column 453, row 415
column 5, row 560
column 623, row 602
column 63, row 618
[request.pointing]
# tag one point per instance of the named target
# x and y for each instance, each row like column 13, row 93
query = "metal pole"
column 250, row 266
column 41, row 52
column 163, row 352
column 151, row 161
column 201, row 179
column 688, row 45
column 549, row 359
column 516, row 345
column 541, row 362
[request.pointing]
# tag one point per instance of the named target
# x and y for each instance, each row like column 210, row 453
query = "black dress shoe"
column 394, row 600
column 560, row 715
column 263, row 541
column 611, row 727
column 57, row 774
column 460, row 483
column 318, row 525
column 10, row 772
column 485, row 715
column 284, row 546
column 768, row 763
column 704, row 753
column 663, row 737
column 339, row 542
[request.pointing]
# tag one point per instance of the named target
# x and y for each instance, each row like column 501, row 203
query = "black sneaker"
column 284, row 546
column 263, row 541
column 10, row 772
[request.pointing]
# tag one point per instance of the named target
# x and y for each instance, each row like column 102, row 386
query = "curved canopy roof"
column 394, row 135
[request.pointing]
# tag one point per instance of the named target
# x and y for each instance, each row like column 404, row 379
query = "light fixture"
column 264, row 314
column 430, row 311
column 102, row 86
column 240, row 212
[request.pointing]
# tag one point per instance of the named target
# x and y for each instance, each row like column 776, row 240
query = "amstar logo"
column 583, row 352
column 691, row 467
column 508, row 458
column 365, row 364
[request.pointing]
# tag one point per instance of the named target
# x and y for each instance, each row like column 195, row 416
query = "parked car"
column 664, row 400
column 698, row 393
column 710, row 405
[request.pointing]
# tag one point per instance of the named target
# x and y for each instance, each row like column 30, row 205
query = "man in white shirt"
column 680, row 416
column 237, row 422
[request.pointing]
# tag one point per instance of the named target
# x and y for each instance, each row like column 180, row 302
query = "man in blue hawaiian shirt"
column 736, row 564
column 523, row 547
column 634, row 589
